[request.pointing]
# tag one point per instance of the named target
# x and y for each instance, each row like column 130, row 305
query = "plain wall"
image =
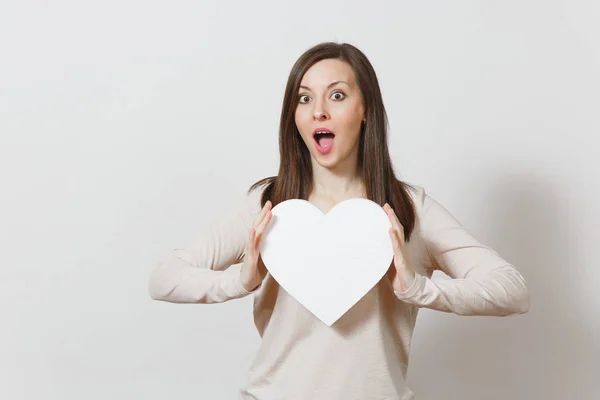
column 126, row 127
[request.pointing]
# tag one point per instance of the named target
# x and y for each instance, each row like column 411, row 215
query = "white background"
column 128, row 126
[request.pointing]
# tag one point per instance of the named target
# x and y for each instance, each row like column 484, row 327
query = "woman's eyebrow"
column 328, row 86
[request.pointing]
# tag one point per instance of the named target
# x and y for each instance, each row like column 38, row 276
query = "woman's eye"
column 338, row 96
column 335, row 96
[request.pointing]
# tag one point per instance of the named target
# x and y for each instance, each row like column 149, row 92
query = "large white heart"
column 327, row 262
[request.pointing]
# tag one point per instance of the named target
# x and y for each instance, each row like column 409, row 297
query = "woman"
column 333, row 146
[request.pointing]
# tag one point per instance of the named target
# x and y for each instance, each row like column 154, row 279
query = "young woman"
column 333, row 146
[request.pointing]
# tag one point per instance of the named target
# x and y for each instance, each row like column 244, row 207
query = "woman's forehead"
column 326, row 72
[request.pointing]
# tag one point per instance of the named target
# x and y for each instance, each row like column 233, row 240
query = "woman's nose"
column 320, row 113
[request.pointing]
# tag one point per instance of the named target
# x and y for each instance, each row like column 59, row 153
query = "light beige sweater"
column 365, row 354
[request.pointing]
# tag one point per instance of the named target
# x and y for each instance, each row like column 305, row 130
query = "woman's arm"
column 199, row 272
column 483, row 283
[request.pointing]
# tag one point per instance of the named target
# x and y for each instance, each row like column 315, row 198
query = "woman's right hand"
column 253, row 269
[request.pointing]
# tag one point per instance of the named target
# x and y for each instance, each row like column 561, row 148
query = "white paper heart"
column 327, row 262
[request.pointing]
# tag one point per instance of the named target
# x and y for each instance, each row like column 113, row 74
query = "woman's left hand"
column 400, row 273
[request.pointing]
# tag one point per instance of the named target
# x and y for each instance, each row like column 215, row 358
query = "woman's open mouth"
column 323, row 140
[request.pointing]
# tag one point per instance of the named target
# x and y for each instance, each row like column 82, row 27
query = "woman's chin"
column 326, row 160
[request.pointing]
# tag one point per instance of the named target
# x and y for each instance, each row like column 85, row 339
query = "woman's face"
column 330, row 101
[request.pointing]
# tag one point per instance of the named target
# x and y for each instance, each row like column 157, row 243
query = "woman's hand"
column 400, row 273
column 253, row 269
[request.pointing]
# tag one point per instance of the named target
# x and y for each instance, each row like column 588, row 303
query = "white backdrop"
column 128, row 126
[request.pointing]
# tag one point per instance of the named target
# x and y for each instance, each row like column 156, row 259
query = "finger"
column 398, row 260
column 392, row 217
column 262, row 227
column 250, row 244
column 399, row 230
column 394, row 237
column 263, row 212
column 397, row 248
column 396, row 222
column 395, row 218
column 261, row 218
column 399, row 239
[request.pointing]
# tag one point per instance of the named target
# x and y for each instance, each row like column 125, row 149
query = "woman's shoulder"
column 416, row 192
column 427, row 208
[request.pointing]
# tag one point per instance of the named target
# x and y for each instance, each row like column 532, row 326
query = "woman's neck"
column 340, row 181
column 335, row 184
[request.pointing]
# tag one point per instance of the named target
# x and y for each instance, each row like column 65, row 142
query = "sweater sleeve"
column 482, row 282
column 203, row 271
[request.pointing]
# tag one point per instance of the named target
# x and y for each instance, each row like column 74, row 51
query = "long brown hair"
column 294, row 179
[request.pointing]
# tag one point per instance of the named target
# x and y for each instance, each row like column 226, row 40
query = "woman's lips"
column 323, row 139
